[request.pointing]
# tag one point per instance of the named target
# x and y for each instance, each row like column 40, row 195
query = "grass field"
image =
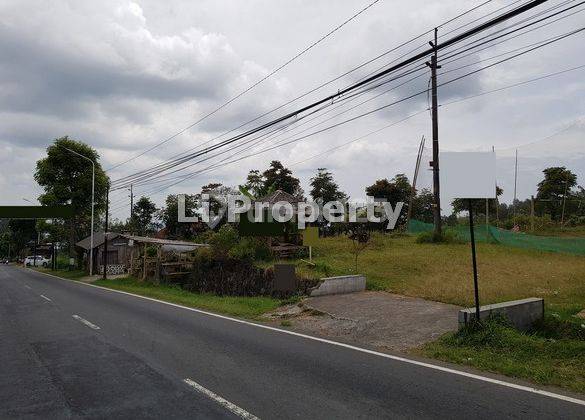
column 443, row 272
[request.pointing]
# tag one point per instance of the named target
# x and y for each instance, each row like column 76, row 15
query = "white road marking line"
column 27, row 286
column 46, row 298
column 86, row 322
column 238, row 411
column 347, row 346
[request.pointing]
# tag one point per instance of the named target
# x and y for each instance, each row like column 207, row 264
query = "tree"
column 143, row 214
column 66, row 179
column 360, row 239
column 21, row 233
column 462, row 204
column 394, row 191
column 277, row 177
column 557, row 184
column 169, row 215
column 254, row 182
column 422, row 206
column 323, row 187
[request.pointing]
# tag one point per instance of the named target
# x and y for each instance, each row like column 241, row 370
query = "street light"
column 92, row 204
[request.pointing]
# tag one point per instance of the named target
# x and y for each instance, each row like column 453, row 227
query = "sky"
column 123, row 76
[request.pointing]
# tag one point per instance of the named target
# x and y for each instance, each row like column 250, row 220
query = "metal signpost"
column 456, row 182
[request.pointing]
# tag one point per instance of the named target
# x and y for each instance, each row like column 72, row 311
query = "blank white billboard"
column 468, row 174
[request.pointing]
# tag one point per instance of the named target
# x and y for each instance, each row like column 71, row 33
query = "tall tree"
column 144, row 212
column 21, row 233
column 277, row 177
column 66, row 179
column 422, row 206
column 169, row 215
column 254, row 182
column 558, row 183
column 324, row 187
column 398, row 189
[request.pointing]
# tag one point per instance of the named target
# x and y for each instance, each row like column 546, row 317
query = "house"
column 140, row 256
column 288, row 243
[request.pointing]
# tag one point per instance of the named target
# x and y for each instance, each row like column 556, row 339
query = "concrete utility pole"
column 515, row 185
column 564, row 200
column 105, row 256
column 532, row 213
column 435, row 115
column 131, row 202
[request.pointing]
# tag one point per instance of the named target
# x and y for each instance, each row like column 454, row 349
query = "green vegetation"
column 65, row 273
column 442, row 272
column 552, row 354
column 245, row 307
column 239, row 306
column 447, row 237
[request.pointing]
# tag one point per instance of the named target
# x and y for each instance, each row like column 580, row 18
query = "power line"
column 546, row 76
column 383, row 73
column 272, row 73
column 359, row 66
column 392, row 124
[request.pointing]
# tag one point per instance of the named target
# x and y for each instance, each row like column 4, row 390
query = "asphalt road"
column 68, row 350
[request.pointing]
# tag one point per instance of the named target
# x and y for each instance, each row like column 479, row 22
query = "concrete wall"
column 339, row 285
column 521, row 313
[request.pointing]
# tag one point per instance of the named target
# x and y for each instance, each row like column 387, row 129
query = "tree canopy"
column 276, row 177
column 324, row 187
column 66, row 179
column 558, row 183
column 143, row 216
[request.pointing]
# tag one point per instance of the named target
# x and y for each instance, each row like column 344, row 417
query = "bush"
column 224, row 240
column 524, row 222
column 251, row 249
column 576, row 221
column 447, row 237
column 228, row 277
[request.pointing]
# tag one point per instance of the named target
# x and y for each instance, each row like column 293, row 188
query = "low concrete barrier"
column 521, row 313
column 339, row 285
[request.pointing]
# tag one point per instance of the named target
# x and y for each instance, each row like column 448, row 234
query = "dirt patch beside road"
column 377, row 319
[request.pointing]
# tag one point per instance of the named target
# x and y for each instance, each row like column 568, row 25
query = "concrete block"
column 521, row 313
column 340, row 285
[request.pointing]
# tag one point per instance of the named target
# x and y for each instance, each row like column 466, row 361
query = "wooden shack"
column 140, row 256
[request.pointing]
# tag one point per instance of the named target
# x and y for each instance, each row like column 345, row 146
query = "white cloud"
column 124, row 75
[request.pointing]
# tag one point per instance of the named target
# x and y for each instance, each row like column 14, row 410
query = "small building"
column 140, row 256
column 288, row 244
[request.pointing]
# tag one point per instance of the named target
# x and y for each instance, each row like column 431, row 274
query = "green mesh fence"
column 505, row 237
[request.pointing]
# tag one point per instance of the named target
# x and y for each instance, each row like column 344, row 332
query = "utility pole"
column 564, row 200
column 435, row 115
column 105, row 256
column 532, row 213
column 421, row 148
column 497, row 202
column 515, row 185
column 131, row 202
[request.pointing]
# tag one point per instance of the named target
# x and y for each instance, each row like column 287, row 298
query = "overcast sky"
column 124, row 75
